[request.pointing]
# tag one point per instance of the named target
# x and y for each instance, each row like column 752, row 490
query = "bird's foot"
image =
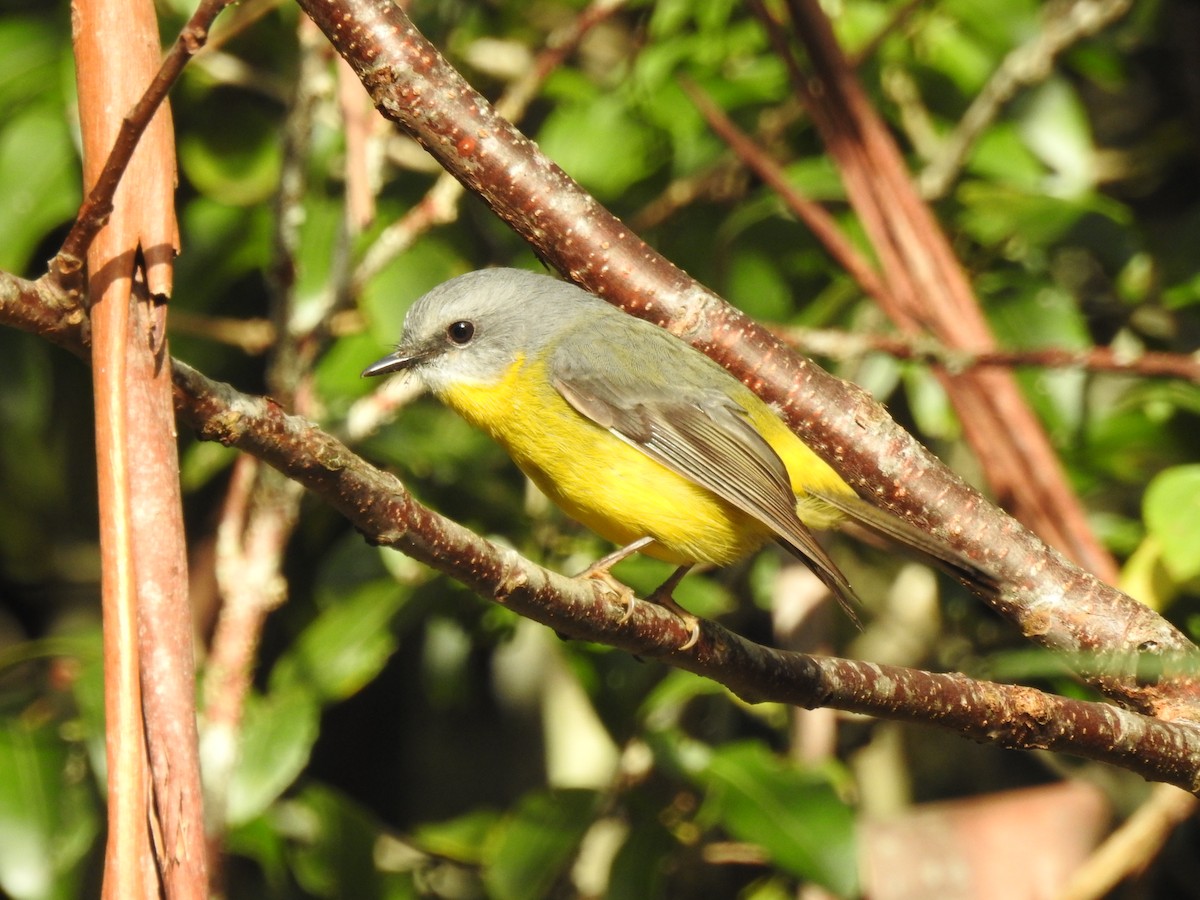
column 662, row 595
column 599, row 571
column 622, row 592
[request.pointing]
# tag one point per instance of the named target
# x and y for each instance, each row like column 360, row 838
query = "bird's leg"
column 662, row 595
column 599, row 571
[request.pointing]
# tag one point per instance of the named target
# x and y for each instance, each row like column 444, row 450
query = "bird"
column 631, row 431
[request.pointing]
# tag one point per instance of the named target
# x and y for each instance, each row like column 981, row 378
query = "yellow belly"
column 615, row 489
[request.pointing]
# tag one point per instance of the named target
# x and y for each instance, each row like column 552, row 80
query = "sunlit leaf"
column 794, row 815
column 335, row 856
column 460, row 839
column 582, row 140
column 276, row 740
column 345, row 647
column 46, row 823
column 38, row 183
column 530, row 850
column 1172, row 508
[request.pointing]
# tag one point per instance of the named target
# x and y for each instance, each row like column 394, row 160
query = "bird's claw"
column 665, row 600
column 622, row 592
column 694, row 633
column 630, row 600
column 661, row 596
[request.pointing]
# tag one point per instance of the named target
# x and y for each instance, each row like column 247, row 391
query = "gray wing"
column 694, row 430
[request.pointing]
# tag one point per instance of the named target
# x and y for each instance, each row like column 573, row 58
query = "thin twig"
column 251, row 336
column 360, row 122
column 844, row 345
column 1066, row 24
column 930, row 291
column 820, row 222
column 261, row 509
column 1133, row 846
column 723, row 181
column 898, row 20
column 68, row 262
column 286, row 371
column 257, row 521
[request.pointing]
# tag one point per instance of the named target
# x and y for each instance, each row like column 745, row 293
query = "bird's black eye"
column 460, row 332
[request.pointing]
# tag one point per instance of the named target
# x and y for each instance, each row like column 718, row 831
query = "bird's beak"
column 402, row 359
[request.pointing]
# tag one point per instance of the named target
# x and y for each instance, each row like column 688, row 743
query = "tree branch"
column 929, row 291
column 385, row 513
column 1028, row 64
column 67, row 264
column 1052, row 601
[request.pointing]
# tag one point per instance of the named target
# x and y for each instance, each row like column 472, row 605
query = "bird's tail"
column 951, row 561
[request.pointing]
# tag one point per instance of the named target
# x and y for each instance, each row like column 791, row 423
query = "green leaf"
column 229, row 244
column 338, row 370
column 345, row 646
column 277, row 738
column 700, row 595
column 758, row 287
column 29, row 56
column 336, row 854
column 769, row 889
column 666, row 703
column 1172, row 512
column 262, row 841
column 1055, row 126
column 47, row 822
column 1026, row 315
column 794, row 815
column 599, row 144
column 1001, row 154
column 234, row 154
column 637, row 870
column 999, row 24
column 947, row 48
column 38, row 183
column 203, row 461
column 531, row 850
column 460, row 839
column 387, row 297
column 931, row 408
column 994, row 214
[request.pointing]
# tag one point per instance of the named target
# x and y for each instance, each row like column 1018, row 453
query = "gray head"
column 473, row 327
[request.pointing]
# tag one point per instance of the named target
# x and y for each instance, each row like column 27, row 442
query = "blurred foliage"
column 406, row 739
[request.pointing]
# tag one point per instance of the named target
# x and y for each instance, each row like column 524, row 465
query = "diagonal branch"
column 812, row 214
column 379, row 506
column 929, row 291
column 1052, row 601
column 843, row 345
column 385, row 513
column 67, row 264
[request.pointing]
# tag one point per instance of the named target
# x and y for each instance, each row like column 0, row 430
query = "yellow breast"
column 615, row 489
column 806, row 471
